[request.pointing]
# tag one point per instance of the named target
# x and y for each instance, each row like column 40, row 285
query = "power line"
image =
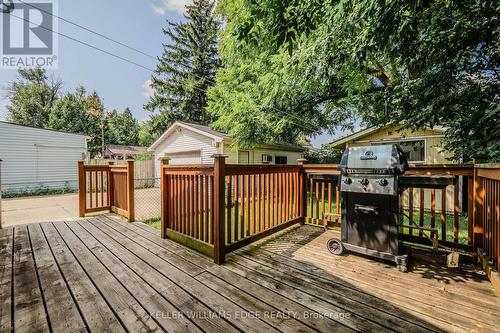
column 87, row 44
column 90, row 30
column 309, row 127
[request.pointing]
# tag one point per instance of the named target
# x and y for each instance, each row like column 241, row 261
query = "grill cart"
column 371, row 182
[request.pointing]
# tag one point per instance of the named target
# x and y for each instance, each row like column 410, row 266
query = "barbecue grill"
column 371, row 182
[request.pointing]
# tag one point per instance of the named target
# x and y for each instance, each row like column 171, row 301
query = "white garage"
column 186, row 143
column 187, row 157
column 35, row 157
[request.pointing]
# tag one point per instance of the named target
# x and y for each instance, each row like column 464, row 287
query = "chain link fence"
column 148, row 200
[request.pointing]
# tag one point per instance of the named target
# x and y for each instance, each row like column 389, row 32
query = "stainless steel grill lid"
column 374, row 159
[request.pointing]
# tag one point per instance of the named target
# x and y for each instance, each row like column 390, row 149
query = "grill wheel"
column 335, row 246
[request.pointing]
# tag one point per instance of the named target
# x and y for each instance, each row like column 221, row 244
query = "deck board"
column 97, row 314
column 103, row 274
column 130, row 312
column 29, row 309
column 64, row 317
column 6, row 255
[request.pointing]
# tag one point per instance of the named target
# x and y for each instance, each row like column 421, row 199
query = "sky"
column 119, row 83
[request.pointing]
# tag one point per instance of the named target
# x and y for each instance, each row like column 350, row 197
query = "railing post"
column 130, row 191
column 165, row 196
column 111, row 186
column 82, row 190
column 478, row 198
column 302, row 190
column 0, row 194
column 219, row 205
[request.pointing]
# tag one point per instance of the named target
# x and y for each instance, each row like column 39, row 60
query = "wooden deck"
column 102, row 274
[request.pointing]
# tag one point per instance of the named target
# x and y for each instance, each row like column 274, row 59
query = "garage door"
column 191, row 157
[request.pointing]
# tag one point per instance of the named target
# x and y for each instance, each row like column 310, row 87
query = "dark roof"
column 128, row 150
column 204, row 128
column 42, row 129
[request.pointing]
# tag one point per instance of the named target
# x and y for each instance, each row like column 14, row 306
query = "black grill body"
column 370, row 221
column 370, row 193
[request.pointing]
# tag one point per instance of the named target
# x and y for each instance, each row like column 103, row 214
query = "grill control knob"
column 347, row 180
column 364, row 181
column 383, row 182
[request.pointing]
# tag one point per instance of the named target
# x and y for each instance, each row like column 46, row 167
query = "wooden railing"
column 487, row 211
column 430, row 208
column 443, row 210
column 322, row 195
column 106, row 188
column 219, row 208
column 259, row 200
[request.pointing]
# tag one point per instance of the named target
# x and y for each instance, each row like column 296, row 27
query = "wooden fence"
column 487, row 211
column 106, row 188
column 143, row 169
column 220, row 208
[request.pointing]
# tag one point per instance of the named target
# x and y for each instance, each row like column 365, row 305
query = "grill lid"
column 374, row 158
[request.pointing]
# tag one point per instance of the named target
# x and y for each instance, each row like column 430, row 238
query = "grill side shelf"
column 425, row 181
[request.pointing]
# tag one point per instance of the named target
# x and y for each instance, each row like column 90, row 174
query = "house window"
column 267, row 158
column 414, row 150
column 280, row 160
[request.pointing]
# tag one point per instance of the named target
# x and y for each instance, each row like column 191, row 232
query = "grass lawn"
column 154, row 222
column 462, row 228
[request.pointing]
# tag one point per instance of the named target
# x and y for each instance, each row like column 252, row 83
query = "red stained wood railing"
column 487, row 211
column 219, row 208
column 105, row 188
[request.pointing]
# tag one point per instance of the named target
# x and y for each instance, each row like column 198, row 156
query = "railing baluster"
column 90, row 190
column 258, row 203
column 456, row 207
column 252, row 198
column 433, row 210
column 236, row 208
column 316, row 196
column 421, row 211
column 443, row 218
column 96, row 190
column 268, row 201
column 410, row 209
column 207, row 209
column 102, row 189
column 323, row 202
column 228, row 211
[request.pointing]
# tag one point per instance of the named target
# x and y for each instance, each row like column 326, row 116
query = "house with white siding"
column 35, row 157
column 186, row 143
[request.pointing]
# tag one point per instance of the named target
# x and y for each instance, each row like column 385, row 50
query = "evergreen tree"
column 187, row 67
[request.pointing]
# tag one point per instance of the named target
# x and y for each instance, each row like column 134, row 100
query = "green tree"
column 187, row 67
column 31, row 97
column 122, row 128
column 77, row 112
column 299, row 67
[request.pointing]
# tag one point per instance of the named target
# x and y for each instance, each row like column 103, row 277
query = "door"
column 188, row 157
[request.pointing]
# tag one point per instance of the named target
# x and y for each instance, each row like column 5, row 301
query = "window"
column 280, row 160
column 267, row 158
column 414, row 150
column 243, row 157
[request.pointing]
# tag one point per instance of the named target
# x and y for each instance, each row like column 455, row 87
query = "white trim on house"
column 422, row 138
column 217, row 137
column 370, row 130
column 171, row 129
